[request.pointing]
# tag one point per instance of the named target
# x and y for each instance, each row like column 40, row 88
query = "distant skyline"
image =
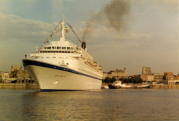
column 148, row 37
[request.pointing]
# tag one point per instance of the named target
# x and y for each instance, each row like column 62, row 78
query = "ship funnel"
column 83, row 45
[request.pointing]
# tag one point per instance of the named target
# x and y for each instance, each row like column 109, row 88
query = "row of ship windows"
column 52, row 57
column 64, row 48
column 56, row 52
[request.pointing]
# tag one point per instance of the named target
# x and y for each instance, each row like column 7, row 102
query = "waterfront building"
column 118, row 74
column 4, row 76
column 168, row 76
column 147, row 78
column 146, row 70
column 147, row 75
column 1, row 76
column 16, row 75
column 176, row 77
column 158, row 77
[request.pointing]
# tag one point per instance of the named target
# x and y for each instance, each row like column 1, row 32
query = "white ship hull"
column 51, row 77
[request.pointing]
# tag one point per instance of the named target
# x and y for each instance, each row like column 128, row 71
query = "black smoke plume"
column 111, row 15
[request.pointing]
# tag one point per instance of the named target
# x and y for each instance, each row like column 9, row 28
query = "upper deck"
column 65, row 48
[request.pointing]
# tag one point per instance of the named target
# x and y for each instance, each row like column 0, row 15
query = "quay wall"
column 36, row 86
column 164, row 86
column 18, row 86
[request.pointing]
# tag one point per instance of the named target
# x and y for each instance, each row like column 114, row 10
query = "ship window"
column 54, row 57
column 59, row 51
column 71, row 51
column 47, row 57
column 48, row 51
column 42, row 57
column 58, row 47
column 45, row 51
column 53, row 47
column 64, row 48
column 48, row 47
column 62, row 51
column 56, row 51
column 71, row 48
column 65, row 51
column 68, row 48
column 51, row 51
column 68, row 51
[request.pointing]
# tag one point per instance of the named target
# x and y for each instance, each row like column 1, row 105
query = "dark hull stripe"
column 50, row 90
column 42, row 64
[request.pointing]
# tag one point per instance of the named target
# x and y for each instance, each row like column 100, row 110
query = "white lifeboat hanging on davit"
column 99, row 67
column 95, row 63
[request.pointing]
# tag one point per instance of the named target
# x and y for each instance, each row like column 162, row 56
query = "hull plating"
column 59, row 78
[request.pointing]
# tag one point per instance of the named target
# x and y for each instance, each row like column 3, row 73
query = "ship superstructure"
column 62, row 65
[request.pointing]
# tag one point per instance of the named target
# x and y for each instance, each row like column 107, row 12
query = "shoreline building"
column 117, row 74
column 16, row 75
column 158, row 77
column 147, row 78
column 169, row 78
column 146, row 70
column 147, row 75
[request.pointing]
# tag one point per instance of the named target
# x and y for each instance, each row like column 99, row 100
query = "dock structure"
column 19, row 86
column 164, row 86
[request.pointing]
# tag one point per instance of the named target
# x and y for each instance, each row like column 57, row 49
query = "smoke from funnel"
column 112, row 15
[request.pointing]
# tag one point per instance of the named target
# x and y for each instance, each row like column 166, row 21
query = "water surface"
column 103, row 105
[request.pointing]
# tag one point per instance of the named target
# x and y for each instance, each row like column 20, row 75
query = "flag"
column 66, row 31
column 51, row 34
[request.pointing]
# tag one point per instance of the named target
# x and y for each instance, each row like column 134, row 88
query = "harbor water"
column 102, row 105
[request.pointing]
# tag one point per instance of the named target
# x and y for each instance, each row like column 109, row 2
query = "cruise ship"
column 62, row 65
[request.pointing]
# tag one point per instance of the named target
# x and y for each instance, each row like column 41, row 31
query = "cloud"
column 167, row 5
column 15, row 28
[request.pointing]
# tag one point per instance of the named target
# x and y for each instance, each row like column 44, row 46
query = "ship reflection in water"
column 119, row 105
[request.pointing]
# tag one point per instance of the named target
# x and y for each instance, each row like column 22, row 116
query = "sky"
column 146, row 33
